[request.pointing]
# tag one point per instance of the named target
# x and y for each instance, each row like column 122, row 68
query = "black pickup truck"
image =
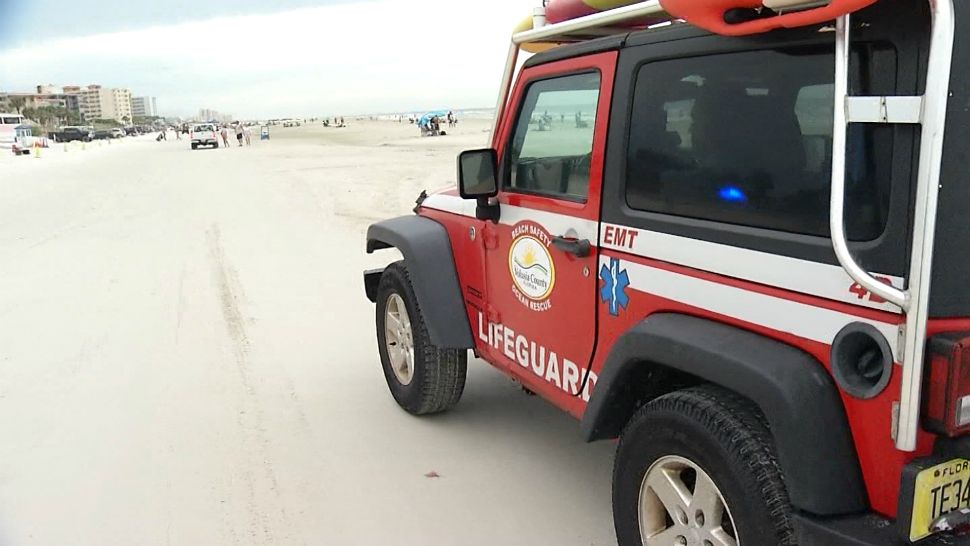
column 69, row 134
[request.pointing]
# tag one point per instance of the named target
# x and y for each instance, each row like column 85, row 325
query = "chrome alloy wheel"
column 398, row 339
column 681, row 506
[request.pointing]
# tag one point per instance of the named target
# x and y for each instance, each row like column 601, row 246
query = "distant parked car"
column 70, row 134
column 117, row 132
column 102, row 134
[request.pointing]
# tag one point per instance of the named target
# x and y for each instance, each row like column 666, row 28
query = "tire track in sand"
column 256, row 474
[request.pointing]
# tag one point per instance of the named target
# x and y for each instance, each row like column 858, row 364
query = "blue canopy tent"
column 424, row 122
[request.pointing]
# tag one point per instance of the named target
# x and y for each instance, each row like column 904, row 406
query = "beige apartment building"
column 97, row 102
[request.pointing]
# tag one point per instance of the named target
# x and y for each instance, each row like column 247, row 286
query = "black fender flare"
column 795, row 393
column 431, row 267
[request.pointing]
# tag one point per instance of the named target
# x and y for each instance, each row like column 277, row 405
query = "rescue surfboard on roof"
column 741, row 17
column 725, row 17
column 559, row 11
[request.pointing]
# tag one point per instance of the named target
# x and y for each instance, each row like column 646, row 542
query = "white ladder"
column 929, row 111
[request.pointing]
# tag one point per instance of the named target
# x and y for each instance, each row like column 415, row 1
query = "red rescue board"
column 709, row 15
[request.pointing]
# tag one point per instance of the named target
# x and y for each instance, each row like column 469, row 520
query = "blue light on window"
column 732, row 194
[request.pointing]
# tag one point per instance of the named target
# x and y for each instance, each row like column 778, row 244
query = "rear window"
column 198, row 128
column 746, row 138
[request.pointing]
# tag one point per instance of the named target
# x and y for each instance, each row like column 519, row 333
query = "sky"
column 266, row 58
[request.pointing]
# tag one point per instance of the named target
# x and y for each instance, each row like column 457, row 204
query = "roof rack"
column 580, row 29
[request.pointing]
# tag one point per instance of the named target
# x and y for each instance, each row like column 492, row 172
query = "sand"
column 187, row 358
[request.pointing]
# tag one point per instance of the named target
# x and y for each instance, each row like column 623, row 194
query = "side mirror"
column 477, row 176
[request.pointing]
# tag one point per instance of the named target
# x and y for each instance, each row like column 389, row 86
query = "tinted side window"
column 746, row 138
column 553, row 141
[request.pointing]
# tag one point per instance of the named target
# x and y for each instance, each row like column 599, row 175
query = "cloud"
column 387, row 55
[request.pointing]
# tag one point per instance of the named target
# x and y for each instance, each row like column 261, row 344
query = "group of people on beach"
column 451, row 118
column 242, row 134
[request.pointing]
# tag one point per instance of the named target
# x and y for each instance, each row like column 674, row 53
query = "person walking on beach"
column 248, row 135
column 225, row 136
column 239, row 133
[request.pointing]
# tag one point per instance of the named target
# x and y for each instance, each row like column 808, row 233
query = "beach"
column 187, row 356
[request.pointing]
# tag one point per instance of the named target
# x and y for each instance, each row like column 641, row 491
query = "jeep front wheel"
column 422, row 377
column 697, row 468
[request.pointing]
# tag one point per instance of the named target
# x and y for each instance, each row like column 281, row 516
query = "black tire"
column 439, row 374
column 195, row 146
column 726, row 436
column 215, row 145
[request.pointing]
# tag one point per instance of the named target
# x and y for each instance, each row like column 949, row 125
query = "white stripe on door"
column 554, row 223
column 799, row 319
column 803, row 276
column 807, row 277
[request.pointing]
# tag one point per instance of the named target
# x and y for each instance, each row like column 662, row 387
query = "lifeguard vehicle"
column 15, row 134
column 749, row 264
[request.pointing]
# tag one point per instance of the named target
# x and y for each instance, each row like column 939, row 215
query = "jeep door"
column 541, row 256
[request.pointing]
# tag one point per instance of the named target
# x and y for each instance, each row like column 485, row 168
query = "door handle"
column 580, row 248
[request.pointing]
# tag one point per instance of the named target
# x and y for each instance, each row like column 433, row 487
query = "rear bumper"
column 861, row 530
column 875, row 530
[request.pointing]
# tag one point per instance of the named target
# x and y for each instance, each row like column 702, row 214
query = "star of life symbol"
column 615, row 282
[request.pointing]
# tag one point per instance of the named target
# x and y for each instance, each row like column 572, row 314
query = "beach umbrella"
column 426, row 119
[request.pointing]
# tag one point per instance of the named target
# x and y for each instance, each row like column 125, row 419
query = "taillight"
column 947, row 409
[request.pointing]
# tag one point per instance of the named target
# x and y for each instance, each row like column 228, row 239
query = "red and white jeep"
column 715, row 241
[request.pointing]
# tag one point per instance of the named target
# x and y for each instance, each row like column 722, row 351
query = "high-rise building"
column 97, row 102
column 208, row 114
column 144, row 106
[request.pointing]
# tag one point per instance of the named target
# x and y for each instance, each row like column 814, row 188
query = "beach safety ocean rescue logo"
column 531, row 266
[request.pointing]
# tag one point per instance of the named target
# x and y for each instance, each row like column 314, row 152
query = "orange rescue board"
column 710, row 14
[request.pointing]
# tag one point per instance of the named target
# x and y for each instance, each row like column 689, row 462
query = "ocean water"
column 462, row 113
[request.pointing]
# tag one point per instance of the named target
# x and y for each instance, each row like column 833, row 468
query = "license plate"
column 939, row 490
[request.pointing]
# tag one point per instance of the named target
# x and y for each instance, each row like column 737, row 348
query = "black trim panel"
column 860, row 530
column 431, row 268
column 949, row 296
column 793, row 390
column 599, row 45
column 372, row 278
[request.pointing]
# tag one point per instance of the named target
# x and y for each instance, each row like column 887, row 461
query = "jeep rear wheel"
column 697, row 467
column 422, row 377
